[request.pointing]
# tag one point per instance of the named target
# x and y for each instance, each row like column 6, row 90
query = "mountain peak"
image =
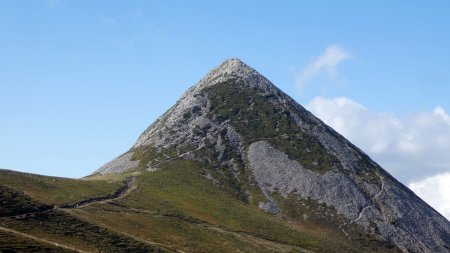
column 232, row 74
column 232, row 65
column 233, row 69
column 260, row 146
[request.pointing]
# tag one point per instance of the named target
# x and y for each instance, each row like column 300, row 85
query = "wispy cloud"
column 110, row 21
column 324, row 64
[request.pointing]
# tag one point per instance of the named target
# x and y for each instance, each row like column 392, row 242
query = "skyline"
column 80, row 80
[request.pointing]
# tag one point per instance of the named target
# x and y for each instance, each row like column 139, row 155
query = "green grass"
column 178, row 207
column 69, row 230
column 10, row 243
column 59, row 226
column 184, row 199
column 184, row 233
column 177, row 200
column 56, row 190
column 16, row 203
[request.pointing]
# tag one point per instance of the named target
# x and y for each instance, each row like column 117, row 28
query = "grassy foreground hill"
column 33, row 217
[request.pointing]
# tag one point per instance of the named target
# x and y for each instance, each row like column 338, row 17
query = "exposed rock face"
column 274, row 171
column 245, row 131
column 195, row 102
column 121, row 164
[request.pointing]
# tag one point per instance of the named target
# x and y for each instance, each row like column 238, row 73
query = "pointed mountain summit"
column 245, row 136
column 174, row 124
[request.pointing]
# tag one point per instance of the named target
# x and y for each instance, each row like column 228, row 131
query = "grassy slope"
column 56, row 190
column 66, row 229
column 23, row 214
column 10, row 242
column 178, row 206
column 16, row 203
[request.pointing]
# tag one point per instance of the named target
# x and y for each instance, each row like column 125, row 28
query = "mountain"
column 234, row 165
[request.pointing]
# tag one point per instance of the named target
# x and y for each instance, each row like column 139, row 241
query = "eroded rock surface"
column 274, row 171
column 393, row 204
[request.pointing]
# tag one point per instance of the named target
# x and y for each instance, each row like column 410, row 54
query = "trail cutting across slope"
column 126, row 189
column 252, row 238
column 8, row 230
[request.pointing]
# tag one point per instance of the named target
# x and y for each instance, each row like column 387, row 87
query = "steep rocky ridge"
column 258, row 143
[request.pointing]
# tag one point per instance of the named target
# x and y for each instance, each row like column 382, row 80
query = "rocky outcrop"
column 274, row 171
column 120, row 164
column 396, row 212
column 177, row 124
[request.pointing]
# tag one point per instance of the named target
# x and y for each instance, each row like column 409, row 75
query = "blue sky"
column 80, row 80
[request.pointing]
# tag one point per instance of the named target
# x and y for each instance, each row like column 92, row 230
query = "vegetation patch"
column 11, row 243
column 21, row 213
column 256, row 118
column 64, row 228
column 16, row 203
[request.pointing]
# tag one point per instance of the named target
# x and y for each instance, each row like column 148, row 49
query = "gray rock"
column 274, row 170
column 404, row 218
column 269, row 206
column 118, row 165
column 172, row 127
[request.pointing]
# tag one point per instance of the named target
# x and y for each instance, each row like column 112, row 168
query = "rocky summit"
column 236, row 165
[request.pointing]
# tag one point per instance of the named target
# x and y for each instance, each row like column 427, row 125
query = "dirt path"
column 126, row 189
column 147, row 241
column 258, row 241
column 241, row 235
column 129, row 187
column 8, row 230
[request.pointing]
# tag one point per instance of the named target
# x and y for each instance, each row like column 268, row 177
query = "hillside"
column 235, row 165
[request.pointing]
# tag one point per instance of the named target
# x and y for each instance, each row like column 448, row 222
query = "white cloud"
column 326, row 64
column 436, row 191
column 440, row 112
column 346, row 116
column 412, row 148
